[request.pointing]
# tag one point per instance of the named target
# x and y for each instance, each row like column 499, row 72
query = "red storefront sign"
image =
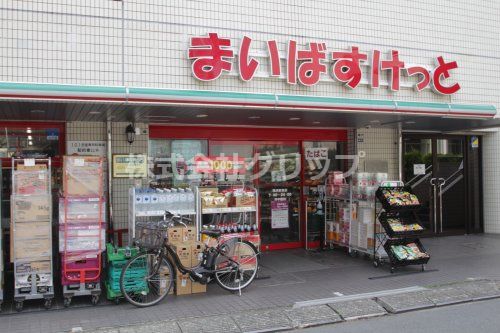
column 219, row 164
column 213, row 56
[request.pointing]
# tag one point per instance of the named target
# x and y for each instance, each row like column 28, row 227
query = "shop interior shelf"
column 228, row 210
column 151, row 213
column 384, row 221
column 395, row 261
column 391, row 207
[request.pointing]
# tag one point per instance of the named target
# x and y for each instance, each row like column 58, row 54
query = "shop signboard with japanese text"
column 86, row 148
column 213, row 55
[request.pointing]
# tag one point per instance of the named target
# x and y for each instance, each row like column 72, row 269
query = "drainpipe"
column 110, row 173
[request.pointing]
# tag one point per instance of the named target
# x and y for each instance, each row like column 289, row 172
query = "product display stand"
column 82, row 227
column 31, row 227
column 230, row 207
column 338, row 216
column 396, row 227
column 152, row 204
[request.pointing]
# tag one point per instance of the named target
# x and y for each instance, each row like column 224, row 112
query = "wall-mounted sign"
column 219, row 164
column 52, row 134
column 474, row 142
column 86, row 148
column 130, row 166
column 316, row 153
column 418, row 169
column 213, row 55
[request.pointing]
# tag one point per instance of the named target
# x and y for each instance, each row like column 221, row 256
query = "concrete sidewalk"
column 294, row 276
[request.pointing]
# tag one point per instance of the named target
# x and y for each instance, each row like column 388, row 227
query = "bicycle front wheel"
column 146, row 279
column 236, row 270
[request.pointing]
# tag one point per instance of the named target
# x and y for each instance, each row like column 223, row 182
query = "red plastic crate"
column 80, row 269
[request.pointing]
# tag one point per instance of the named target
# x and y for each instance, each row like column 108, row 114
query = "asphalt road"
column 469, row 317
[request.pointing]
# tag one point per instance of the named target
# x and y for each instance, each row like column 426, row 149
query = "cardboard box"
column 189, row 234
column 183, row 251
column 31, row 182
column 81, row 209
column 175, row 235
column 28, row 230
column 245, row 256
column 34, row 248
column 165, row 281
column 31, row 208
column 42, row 266
column 82, row 176
column 182, row 284
column 243, row 201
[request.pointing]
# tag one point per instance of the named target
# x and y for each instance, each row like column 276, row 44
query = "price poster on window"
column 279, row 213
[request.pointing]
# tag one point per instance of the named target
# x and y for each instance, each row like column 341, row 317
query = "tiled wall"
column 93, row 131
column 82, row 42
column 491, row 177
column 378, row 146
column 120, row 186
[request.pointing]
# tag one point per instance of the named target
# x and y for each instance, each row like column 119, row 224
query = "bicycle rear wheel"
column 238, row 269
column 146, row 279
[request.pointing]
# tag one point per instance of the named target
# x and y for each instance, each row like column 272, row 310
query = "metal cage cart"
column 82, row 227
column 31, row 227
column 396, row 227
column 231, row 207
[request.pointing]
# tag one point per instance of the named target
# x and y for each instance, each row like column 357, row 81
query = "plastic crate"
column 88, row 267
column 120, row 253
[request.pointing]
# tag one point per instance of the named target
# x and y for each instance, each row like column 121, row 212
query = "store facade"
column 366, row 94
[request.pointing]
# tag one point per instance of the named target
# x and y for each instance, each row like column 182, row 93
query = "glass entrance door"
column 435, row 169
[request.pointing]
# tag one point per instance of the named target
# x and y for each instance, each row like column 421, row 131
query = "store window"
column 172, row 161
column 28, row 141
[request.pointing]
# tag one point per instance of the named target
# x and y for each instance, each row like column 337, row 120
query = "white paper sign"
column 418, row 169
column 279, row 214
column 87, row 148
column 29, row 162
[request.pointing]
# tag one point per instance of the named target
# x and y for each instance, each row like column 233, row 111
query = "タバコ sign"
column 213, row 55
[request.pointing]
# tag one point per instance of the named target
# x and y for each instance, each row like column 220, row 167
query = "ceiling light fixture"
column 316, row 122
column 294, row 118
column 410, row 122
column 37, row 111
column 30, row 137
column 28, row 130
column 254, row 117
column 202, row 115
column 30, row 143
column 168, row 117
column 375, row 121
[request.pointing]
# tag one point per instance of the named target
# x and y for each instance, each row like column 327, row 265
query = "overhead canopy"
column 54, row 102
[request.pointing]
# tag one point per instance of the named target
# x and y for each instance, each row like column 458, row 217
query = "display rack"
column 152, row 204
column 31, row 227
column 82, row 227
column 230, row 207
column 397, row 227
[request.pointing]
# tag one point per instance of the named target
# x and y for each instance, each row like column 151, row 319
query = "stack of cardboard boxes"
column 189, row 250
column 31, row 225
column 82, row 223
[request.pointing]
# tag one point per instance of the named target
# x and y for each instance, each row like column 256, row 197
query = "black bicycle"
column 148, row 277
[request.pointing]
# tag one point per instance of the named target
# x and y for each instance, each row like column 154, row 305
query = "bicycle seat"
column 211, row 233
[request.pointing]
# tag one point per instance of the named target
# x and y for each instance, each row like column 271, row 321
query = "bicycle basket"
column 150, row 235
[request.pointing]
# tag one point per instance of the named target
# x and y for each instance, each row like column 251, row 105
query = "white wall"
column 80, row 42
column 491, row 182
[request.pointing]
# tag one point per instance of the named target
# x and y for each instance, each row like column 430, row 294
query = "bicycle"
column 148, row 277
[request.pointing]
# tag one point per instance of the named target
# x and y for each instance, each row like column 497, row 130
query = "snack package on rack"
column 82, row 176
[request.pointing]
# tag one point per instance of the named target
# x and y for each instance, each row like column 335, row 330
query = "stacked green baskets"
column 117, row 257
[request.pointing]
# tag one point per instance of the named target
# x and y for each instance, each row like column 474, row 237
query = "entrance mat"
column 267, row 320
column 214, row 324
column 399, row 273
column 312, row 315
column 406, row 302
column 362, row 308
